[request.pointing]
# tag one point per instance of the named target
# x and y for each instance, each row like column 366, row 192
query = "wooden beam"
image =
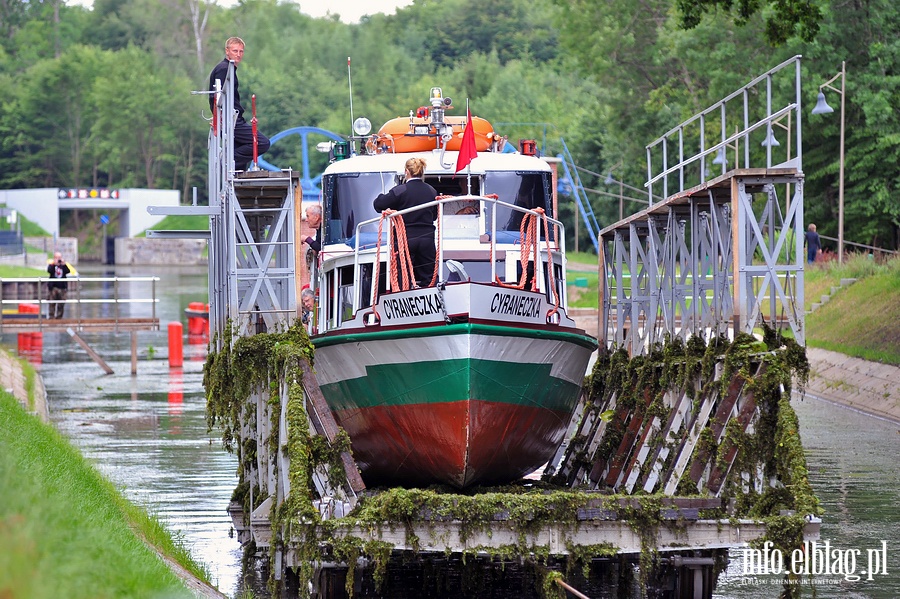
column 133, row 353
column 324, row 421
column 94, row 355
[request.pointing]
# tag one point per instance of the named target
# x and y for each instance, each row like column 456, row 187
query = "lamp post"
column 822, row 107
column 609, row 181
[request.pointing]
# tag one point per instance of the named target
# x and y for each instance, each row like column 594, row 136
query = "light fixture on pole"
column 609, row 181
column 770, row 141
column 720, row 157
column 822, row 107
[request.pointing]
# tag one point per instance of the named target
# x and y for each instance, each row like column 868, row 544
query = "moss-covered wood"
column 620, row 389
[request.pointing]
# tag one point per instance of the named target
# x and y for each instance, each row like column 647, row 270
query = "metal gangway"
column 253, row 288
column 718, row 249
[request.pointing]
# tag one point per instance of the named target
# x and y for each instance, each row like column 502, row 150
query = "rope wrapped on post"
column 530, row 252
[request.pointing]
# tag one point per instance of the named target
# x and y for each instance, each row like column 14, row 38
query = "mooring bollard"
column 176, row 345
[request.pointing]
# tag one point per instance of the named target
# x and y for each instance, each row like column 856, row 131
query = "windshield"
column 348, row 200
column 528, row 190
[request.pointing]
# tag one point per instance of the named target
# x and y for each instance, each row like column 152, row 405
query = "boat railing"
column 493, row 236
column 88, row 299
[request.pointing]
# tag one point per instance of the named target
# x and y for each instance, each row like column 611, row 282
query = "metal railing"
column 557, row 231
column 94, row 300
column 695, row 128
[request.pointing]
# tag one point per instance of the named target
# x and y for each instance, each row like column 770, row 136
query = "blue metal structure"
column 309, row 185
column 571, row 182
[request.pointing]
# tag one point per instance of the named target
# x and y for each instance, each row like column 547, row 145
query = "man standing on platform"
column 243, row 132
column 58, row 269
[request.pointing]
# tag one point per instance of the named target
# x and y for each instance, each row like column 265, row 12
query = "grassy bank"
column 8, row 271
column 862, row 320
column 184, row 222
column 64, row 530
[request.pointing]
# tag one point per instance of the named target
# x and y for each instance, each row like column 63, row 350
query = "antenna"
column 350, row 81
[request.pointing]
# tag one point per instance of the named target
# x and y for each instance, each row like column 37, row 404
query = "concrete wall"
column 68, row 246
column 137, row 250
column 42, row 206
column 38, row 205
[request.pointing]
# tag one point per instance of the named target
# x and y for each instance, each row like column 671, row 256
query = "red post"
column 176, row 345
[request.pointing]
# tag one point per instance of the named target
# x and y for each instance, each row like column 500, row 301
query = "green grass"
column 180, row 223
column 28, row 228
column 8, row 271
column 64, row 530
column 582, row 258
column 862, row 320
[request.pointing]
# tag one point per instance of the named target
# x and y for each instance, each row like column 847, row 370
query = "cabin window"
column 345, row 294
column 455, row 185
column 528, row 190
column 478, row 270
column 348, row 200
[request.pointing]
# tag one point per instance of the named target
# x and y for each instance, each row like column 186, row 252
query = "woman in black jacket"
column 419, row 224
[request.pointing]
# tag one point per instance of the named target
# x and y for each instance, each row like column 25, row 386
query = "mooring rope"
column 530, row 251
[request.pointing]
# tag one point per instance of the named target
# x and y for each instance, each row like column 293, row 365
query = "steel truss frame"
column 671, row 269
column 252, row 265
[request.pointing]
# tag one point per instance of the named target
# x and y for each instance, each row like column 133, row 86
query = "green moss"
column 268, row 366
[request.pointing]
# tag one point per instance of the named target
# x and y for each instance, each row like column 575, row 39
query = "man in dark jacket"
column 59, row 289
column 314, row 222
column 243, row 132
column 419, row 224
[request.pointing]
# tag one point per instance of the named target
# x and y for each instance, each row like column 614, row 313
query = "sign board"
column 412, row 307
column 508, row 304
column 88, row 193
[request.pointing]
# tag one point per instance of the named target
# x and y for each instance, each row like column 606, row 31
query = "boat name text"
column 419, row 305
column 527, row 307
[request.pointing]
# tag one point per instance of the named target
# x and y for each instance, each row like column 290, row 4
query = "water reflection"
column 852, row 466
column 148, row 435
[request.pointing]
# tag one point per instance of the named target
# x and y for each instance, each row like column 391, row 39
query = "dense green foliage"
column 101, row 96
column 73, row 534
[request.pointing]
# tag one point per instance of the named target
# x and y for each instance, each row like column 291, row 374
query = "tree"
column 784, row 19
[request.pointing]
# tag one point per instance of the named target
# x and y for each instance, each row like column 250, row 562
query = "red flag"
column 467, row 150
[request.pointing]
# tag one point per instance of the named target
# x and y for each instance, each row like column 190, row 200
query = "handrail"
column 766, row 121
column 724, row 100
column 694, row 131
column 561, row 239
column 76, row 283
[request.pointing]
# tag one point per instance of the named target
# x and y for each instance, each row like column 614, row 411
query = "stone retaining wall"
column 139, row 250
column 12, row 378
column 68, row 246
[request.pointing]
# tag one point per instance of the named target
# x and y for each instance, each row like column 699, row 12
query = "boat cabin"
column 478, row 237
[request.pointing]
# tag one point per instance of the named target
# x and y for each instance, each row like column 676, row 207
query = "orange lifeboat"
column 417, row 134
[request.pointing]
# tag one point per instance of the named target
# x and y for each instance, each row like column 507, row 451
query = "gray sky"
column 350, row 11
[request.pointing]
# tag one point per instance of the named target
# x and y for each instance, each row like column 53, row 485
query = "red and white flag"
column 467, row 150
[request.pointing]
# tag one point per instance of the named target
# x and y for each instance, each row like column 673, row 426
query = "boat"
column 471, row 380
column 418, row 134
column 197, row 314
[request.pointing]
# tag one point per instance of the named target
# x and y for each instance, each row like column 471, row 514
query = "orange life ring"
column 400, row 134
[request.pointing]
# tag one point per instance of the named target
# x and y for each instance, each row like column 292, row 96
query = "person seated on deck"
column 419, row 224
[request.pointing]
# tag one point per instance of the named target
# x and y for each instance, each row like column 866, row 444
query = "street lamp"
column 609, row 181
column 822, row 107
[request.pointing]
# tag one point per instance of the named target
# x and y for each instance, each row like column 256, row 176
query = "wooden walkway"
column 93, row 305
column 19, row 324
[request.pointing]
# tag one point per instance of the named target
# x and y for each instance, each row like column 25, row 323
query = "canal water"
column 148, row 435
